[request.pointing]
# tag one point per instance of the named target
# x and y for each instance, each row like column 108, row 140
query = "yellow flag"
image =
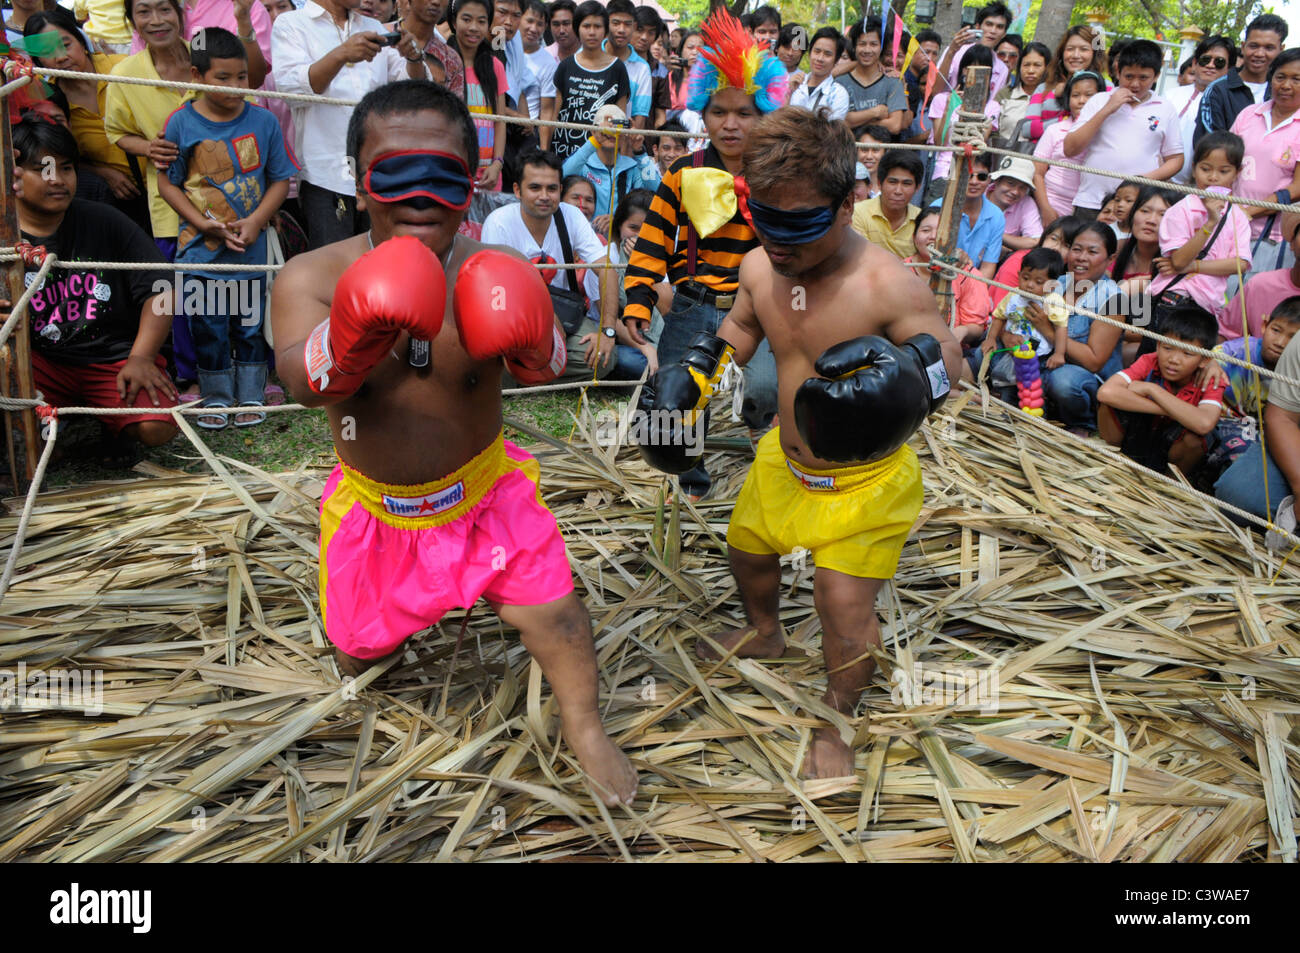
column 912, row 47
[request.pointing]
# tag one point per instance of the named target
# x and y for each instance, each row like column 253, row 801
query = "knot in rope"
column 971, row 130
column 30, row 254
column 940, row 262
column 15, row 67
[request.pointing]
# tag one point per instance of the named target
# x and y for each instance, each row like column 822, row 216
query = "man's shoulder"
column 992, row 212
column 294, row 19
column 503, row 217
column 868, row 208
column 316, row 272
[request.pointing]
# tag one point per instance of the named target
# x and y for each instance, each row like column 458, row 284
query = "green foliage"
column 1161, row 19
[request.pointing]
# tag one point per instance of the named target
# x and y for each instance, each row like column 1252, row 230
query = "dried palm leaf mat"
column 1147, row 695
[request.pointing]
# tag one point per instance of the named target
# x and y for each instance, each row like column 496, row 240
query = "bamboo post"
column 973, row 99
column 19, row 343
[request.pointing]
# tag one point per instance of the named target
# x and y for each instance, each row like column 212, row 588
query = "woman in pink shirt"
column 1078, row 50
column 1054, row 186
column 247, row 19
column 1271, row 133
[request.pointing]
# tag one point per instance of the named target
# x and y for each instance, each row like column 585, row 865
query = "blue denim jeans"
column 1242, row 485
column 629, row 363
column 225, row 314
column 682, row 324
column 1073, row 389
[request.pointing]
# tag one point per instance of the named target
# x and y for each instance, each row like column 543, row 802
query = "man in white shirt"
column 622, row 24
column 562, row 29
column 532, row 28
column 820, row 90
column 329, row 48
column 519, row 72
column 991, row 23
column 529, row 227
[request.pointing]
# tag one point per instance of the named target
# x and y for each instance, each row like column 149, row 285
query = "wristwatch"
column 608, row 332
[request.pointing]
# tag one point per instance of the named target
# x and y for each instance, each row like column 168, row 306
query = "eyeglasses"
column 1008, row 55
column 1216, row 62
column 980, row 176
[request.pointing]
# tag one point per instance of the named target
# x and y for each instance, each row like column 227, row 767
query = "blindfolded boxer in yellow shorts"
column 862, row 358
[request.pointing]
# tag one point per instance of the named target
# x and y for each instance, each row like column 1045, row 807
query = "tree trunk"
column 1053, row 21
column 947, row 20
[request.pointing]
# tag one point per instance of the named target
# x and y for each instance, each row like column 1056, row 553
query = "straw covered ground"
column 1078, row 664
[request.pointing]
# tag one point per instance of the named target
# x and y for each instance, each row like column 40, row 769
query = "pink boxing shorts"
column 395, row 559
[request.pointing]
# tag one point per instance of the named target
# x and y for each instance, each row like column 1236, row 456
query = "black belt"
column 698, row 293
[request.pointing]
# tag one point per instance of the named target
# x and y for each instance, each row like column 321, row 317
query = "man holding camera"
column 990, row 24
column 329, row 48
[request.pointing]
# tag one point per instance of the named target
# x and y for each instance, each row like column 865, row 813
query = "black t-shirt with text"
column 84, row 316
column 582, row 93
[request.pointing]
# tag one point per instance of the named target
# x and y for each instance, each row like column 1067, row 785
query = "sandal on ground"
column 250, row 418
column 213, row 421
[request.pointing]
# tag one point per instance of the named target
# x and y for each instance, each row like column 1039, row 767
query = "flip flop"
column 257, row 415
column 213, row 421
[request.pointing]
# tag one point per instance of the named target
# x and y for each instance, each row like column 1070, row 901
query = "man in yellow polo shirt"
column 889, row 219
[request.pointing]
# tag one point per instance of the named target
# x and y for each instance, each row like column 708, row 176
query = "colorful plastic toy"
column 1029, row 382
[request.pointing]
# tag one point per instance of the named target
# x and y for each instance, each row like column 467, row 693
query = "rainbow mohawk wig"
column 730, row 57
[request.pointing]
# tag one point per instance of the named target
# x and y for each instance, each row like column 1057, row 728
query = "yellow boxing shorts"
column 853, row 520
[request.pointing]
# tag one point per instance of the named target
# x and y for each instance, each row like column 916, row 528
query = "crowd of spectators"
column 201, row 179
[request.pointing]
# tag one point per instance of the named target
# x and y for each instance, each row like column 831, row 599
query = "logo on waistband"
column 428, row 505
column 811, row 482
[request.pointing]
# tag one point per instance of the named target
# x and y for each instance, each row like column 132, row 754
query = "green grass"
column 287, row 440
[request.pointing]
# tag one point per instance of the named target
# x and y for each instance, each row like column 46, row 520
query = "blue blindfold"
column 420, row 176
column 787, row 227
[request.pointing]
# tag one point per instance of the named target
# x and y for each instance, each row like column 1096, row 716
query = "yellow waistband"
column 846, row 478
column 418, row 505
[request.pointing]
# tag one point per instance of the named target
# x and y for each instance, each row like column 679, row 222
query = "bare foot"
column 827, row 756
column 612, row 776
column 758, row 646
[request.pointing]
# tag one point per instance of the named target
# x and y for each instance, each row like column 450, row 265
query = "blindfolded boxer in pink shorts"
column 401, row 334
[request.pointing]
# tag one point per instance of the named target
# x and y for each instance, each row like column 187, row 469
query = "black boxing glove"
column 669, row 427
column 874, row 399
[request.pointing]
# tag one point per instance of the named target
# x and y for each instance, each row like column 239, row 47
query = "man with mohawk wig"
column 695, row 233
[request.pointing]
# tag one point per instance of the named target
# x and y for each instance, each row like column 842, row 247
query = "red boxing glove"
column 398, row 286
column 503, row 309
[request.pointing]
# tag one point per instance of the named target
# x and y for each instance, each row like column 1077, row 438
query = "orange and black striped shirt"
column 661, row 245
